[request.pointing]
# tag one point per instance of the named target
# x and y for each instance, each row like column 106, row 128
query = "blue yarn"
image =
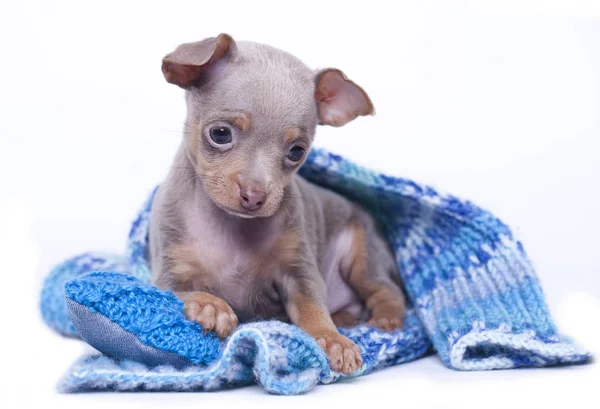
column 476, row 301
column 282, row 358
column 53, row 305
column 155, row 316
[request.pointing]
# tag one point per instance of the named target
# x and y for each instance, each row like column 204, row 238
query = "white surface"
column 497, row 101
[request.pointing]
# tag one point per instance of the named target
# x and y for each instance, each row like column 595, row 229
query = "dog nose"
column 252, row 198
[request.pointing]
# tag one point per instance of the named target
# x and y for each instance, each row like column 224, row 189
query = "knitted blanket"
column 474, row 298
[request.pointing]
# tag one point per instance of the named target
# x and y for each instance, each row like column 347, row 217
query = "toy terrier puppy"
column 235, row 233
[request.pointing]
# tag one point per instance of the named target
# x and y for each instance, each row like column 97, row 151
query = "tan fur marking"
column 287, row 248
column 358, row 257
column 188, row 269
column 310, row 317
column 233, row 177
column 290, row 135
column 242, row 121
column 202, row 165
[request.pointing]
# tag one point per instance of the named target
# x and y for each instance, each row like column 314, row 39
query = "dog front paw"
column 387, row 316
column 343, row 354
column 212, row 313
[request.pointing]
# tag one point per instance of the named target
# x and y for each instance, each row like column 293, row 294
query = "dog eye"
column 220, row 135
column 295, row 154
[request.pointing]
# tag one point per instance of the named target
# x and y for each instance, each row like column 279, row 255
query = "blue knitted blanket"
column 475, row 300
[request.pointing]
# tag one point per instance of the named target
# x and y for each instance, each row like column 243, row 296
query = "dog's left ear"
column 338, row 99
column 194, row 64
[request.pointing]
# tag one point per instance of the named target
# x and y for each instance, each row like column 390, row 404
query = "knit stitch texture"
column 475, row 298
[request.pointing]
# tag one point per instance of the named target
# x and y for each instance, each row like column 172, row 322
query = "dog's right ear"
column 193, row 64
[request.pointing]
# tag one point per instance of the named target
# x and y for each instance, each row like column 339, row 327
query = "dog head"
column 252, row 116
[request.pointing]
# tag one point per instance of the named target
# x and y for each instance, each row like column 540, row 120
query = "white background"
column 496, row 101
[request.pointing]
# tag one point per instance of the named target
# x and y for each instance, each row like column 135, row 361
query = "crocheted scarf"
column 475, row 299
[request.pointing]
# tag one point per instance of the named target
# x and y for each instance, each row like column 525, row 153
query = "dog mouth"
column 263, row 212
column 243, row 214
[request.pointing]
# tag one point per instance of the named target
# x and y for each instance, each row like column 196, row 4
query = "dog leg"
column 369, row 267
column 305, row 296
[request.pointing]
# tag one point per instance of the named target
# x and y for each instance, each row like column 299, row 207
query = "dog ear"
column 338, row 99
column 196, row 63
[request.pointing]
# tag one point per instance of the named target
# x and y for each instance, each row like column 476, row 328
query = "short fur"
column 299, row 252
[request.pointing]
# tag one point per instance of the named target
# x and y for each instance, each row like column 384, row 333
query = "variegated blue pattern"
column 475, row 295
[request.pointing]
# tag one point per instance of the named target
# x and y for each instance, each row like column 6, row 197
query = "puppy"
column 235, row 233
